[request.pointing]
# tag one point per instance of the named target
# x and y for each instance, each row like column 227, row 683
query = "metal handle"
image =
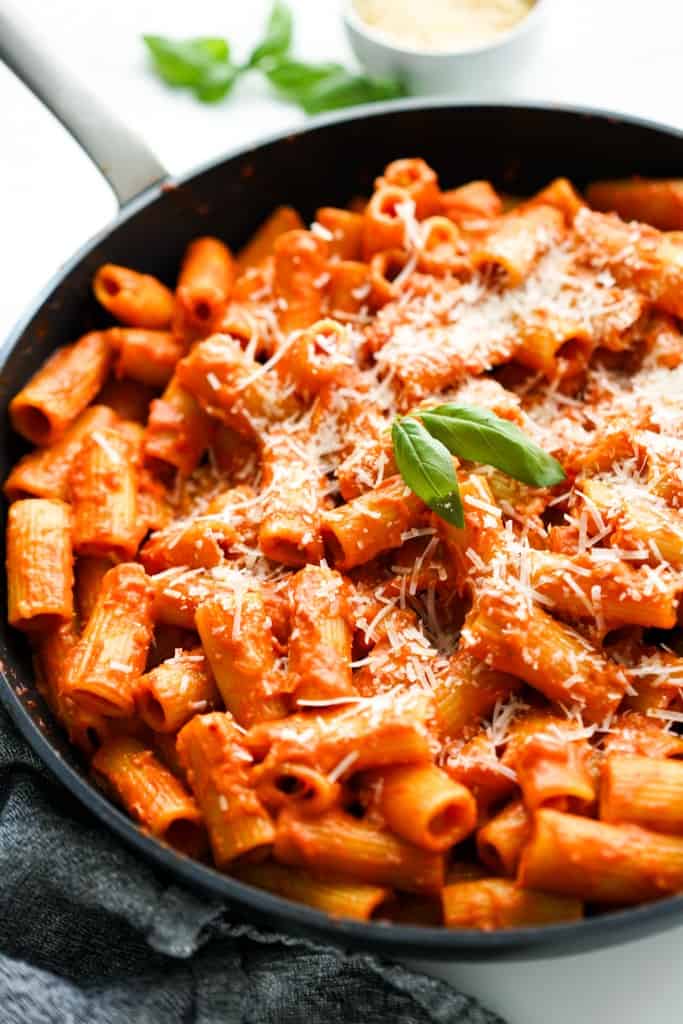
column 124, row 159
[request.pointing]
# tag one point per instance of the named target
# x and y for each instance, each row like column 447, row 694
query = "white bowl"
column 425, row 72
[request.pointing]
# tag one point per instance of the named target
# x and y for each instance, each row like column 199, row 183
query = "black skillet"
column 519, row 148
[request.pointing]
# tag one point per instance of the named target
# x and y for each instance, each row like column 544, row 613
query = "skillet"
column 519, row 147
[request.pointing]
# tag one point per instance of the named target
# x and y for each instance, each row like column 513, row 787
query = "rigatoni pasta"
column 105, row 665
column 176, row 690
column 240, row 649
column 61, row 389
column 103, row 494
column 215, row 761
column 151, row 793
column 267, row 647
column 39, row 564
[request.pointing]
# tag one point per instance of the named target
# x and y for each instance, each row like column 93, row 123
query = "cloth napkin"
column 89, row 934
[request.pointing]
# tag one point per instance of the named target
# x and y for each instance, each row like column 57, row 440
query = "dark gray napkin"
column 89, row 934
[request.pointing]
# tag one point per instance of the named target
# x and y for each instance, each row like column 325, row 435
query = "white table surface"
column 621, row 54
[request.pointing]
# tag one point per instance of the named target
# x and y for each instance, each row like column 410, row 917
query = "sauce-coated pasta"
column 271, row 651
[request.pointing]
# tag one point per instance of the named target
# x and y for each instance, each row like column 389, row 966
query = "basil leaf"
column 278, row 37
column 296, row 79
column 427, row 469
column 203, row 65
column 216, row 82
column 344, row 89
column 480, row 436
column 185, row 61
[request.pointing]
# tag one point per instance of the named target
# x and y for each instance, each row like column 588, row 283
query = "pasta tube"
column 387, row 269
column 501, row 840
column 442, row 251
column 178, row 592
column 636, row 255
column 338, row 843
column 385, row 220
column 320, row 642
column 422, row 804
column 294, row 486
column 104, row 668
column 490, row 903
column 371, row 523
column 646, row 791
column 216, row 763
column 138, row 300
column 584, row 588
column 320, row 357
column 61, row 389
column 148, row 357
column 600, row 862
column 561, row 194
column 44, row 473
column 53, row 649
column 474, row 203
column 103, row 484
column 546, row 654
column 370, row 733
column 151, row 793
column 194, row 544
column 39, row 564
column 293, row 784
column 177, row 689
column 348, row 289
column 418, row 179
column 205, row 283
column 260, row 245
column 640, row 521
column 658, row 202
column 468, row 692
column 520, row 239
column 232, row 387
column 338, row 897
column 299, row 275
column 345, row 230
column 89, row 575
column 239, row 647
column 553, row 762
column 178, row 430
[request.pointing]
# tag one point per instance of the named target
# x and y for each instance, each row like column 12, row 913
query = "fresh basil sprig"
column 421, row 450
column 203, row 65
column 427, row 468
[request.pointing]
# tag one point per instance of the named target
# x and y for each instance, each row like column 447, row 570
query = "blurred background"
column 615, row 54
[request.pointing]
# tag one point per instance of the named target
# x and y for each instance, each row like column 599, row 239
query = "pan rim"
column 427, row 943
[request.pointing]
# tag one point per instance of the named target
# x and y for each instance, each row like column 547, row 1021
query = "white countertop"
column 622, row 55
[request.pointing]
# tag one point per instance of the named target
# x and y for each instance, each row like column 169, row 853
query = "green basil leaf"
column 185, row 61
column 216, row 82
column 480, row 436
column 317, row 87
column 427, row 468
column 295, row 78
column 344, row 89
column 214, row 48
column 278, row 37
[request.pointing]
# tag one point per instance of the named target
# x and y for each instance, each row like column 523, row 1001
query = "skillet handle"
column 124, row 159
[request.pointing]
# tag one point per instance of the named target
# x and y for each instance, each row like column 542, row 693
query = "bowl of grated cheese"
column 440, row 46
